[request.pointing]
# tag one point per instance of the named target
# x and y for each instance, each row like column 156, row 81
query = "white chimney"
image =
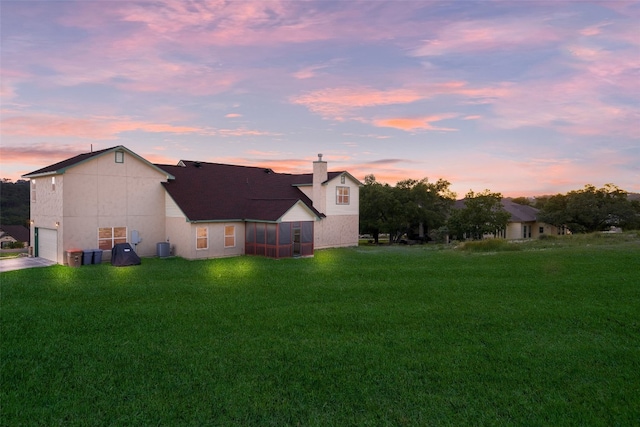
column 320, row 175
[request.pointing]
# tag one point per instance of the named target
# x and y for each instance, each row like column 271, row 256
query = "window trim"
column 342, row 198
column 113, row 237
column 231, row 236
column 119, row 156
column 204, row 238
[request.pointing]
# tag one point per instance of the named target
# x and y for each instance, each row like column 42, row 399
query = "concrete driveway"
column 23, row 262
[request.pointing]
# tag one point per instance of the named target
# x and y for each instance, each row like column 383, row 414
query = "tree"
column 522, row 201
column 376, row 202
column 590, row 209
column 14, row 202
column 411, row 207
column 481, row 214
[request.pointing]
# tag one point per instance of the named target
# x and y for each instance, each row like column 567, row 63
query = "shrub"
column 488, row 245
column 14, row 245
column 548, row 237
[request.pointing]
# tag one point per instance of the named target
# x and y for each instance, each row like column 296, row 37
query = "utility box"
column 74, row 257
column 163, row 249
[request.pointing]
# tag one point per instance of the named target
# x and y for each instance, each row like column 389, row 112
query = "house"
column 523, row 223
column 13, row 233
column 203, row 210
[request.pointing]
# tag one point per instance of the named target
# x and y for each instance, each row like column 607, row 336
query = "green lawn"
column 546, row 335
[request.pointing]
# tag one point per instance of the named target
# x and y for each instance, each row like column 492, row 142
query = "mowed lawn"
column 545, row 335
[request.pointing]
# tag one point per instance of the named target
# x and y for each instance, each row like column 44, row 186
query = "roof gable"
column 219, row 192
column 61, row 167
column 306, row 179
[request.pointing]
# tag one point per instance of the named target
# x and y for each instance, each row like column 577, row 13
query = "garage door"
column 48, row 244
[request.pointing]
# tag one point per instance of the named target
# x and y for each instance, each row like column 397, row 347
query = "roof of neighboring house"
column 18, row 232
column 519, row 213
column 219, row 192
column 61, row 167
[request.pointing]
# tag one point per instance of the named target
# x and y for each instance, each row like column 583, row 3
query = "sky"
column 523, row 98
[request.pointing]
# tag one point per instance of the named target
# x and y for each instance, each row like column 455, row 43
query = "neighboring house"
column 13, row 233
column 523, row 223
column 204, row 210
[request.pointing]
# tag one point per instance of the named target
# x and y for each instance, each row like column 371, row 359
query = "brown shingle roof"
column 61, row 167
column 219, row 192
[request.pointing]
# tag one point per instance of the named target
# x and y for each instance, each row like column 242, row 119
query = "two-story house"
column 203, row 210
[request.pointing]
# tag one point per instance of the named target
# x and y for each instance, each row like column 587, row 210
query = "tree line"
column 14, row 202
column 421, row 210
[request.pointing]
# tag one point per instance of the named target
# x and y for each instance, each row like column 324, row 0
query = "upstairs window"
column 33, row 190
column 53, row 183
column 119, row 156
column 342, row 195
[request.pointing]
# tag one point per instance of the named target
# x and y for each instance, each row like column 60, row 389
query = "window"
column 33, row 190
column 229, row 236
column 202, row 238
column 342, row 179
column 541, row 230
column 119, row 156
column 109, row 236
column 342, row 195
column 53, row 183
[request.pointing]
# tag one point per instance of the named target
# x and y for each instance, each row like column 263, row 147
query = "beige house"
column 203, row 210
column 524, row 223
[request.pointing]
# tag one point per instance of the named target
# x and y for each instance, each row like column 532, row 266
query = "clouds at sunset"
column 518, row 97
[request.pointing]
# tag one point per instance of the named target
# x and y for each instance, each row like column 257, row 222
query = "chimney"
column 320, row 175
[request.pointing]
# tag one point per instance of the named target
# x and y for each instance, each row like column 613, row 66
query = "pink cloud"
column 38, row 154
column 476, row 36
column 93, row 127
column 337, row 102
column 233, row 115
column 415, row 123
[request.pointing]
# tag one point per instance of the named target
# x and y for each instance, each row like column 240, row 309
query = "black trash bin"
column 87, row 257
column 97, row 256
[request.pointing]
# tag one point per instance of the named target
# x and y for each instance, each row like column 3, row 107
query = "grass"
column 546, row 335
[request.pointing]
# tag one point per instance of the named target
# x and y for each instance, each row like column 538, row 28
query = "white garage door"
column 48, row 244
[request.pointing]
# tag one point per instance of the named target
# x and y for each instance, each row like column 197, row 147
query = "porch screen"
column 277, row 240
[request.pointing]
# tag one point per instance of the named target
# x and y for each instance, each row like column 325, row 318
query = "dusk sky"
column 520, row 97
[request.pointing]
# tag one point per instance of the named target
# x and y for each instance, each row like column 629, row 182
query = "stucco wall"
column 336, row 231
column 102, row 193
column 182, row 237
column 47, row 209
